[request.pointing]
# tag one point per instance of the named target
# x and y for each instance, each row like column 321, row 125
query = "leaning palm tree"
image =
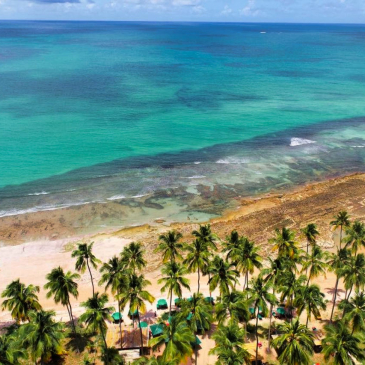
column 153, row 360
column 355, row 312
column 229, row 345
column 341, row 346
column 42, row 336
column 11, row 353
column 20, row 300
column 222, row 275
column 197, row 258
column 178, row 338
column 232, row 306
column 169, row 246
column 260, row 296
column 246, row 258
column 97, row 314
column 85, row 258
column 310, row 233
column 295, row 345
column 62, row 286
column 311, row 300
column 315, row 264
column 132, row 257
column 284, row 242
column 136, row 295
column 114, row 276
column 342, row 220
column 355, row 237
column 336, row 263
column 174, row 279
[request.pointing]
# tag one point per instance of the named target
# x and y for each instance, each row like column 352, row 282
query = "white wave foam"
column 139, row 196
column 116, row 197
column 357, row 146
column 196, row 177
column 300, row 141
column 197, row 163
column 233, row 160
column 40, row 193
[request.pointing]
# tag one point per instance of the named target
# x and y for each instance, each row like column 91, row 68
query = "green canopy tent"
column 197, row 342
column 134, row 314
column 177, row 302
column 162, row 304
column 143, row 325
column 156, row 329
column 209, row 300
column 281, row 311
column 189, row 317
column 117, row 317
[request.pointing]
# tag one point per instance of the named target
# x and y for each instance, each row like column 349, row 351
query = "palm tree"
column 229, row 342
column 310, row 233
column 153, row 360
column 197, row 258
column 10, row 351
column 206, row 235
column 132, row 256
column 85, row 257
column 342, row 220
column 201, row 315
column 42, row 335
column 21, row 300
column 284, row 242
column 355, row 236
column 355, row 312
column 233, row 306
column 246, row 258
column 174, row 279
column 115, row 277
column 136, row 295
column 259, row 295
column 96, row 314
column 169, row 246
column 315, row 263
column 178, row 338
column 222, row 275
column 341, row 346
column 295, row 345
column 311, row 300
column 110, row 355
column 336, row 263
column 61, row 286
column 232, row 242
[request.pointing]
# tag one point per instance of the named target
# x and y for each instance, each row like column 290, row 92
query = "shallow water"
column 115, row 111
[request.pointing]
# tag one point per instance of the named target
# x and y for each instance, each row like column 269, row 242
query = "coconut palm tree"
column 233, row 306
column 174, row 279
column 295, row 345
column 341, row 346
column 259, row 294
column 335, row 263
column 355, row 237
column 153, row 360
column 342, row 220
column 170, row 247
column 136, row 295
column 10, row 351
column 85, row 258
column 232, row 242
column 205, row 234
column 197, row 258
column 311, row 300
column 315, row 263
column 222, row 275
column 200, row 315
column 355, row 312
column 110, row 356
column 42, row 336
column 21, row 300
column 246, row 258
column 178, row 338
column 310, row 233
column 284, row 242
column 132, row 257
column 61, row 286
column 115, row 276
column 229, row 345
column 97, row 314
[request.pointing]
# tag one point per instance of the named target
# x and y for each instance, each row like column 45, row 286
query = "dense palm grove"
column 249, row 290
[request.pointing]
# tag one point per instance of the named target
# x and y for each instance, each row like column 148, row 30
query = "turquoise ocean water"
column 100, row 111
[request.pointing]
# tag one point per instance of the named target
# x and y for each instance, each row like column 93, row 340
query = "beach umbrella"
column 143, row 325
column 117, row 316
column 162, row 304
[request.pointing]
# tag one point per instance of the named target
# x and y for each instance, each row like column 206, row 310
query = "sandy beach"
column 22, row 256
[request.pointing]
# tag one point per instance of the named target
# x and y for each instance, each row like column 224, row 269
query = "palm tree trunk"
column 307, row 320
column 247, row 279
column 270, row 319
column 91, row 276
column 308, row 281
column 198, row 279
column 210, row 292
column 257, row 337
column 334, row 298
column 120, row 324
column 71, row 316
column 140, row 330
column 170, row 302
column 347, row 299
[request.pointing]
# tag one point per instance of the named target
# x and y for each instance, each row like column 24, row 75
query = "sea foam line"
column 295, row 141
